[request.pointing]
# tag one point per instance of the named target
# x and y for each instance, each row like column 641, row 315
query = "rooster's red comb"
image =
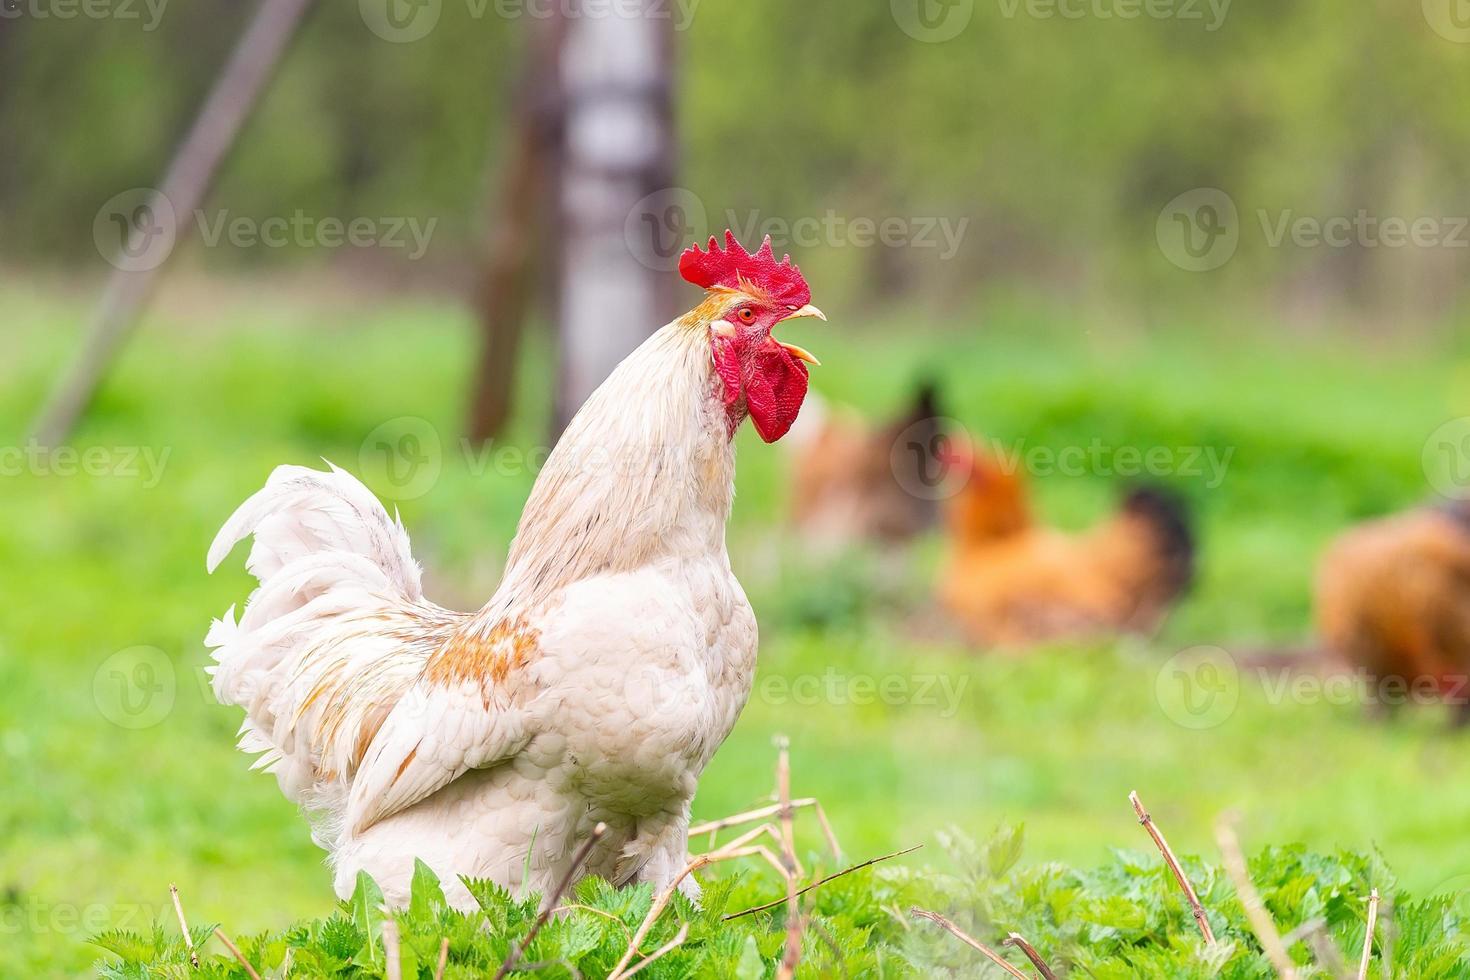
column 729, row 265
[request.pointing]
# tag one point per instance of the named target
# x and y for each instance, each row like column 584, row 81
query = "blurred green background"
column 1064, row 316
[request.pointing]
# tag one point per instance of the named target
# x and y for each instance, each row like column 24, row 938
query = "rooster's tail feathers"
column 336, row 632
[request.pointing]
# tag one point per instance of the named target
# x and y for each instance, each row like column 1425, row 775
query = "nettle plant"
column 1125, row 919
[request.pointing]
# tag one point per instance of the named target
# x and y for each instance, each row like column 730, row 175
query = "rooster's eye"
column 746, row 315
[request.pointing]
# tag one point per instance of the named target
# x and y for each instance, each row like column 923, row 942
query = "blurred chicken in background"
column 1393, row 601
column 1012, row 582
column 853, row 483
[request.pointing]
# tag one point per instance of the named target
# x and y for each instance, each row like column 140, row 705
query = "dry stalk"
column 393, row 966
column 550, row 902
column 1015, row 939
column 968, row 940
column 1324, row 950
column 1386, row 935
column 1163, row 845
column 735, row 849
column 1255, row 909
column 713, row 827
column 826, row 937
column 1368, row 939
column 443, row 959
column 794, row 923
column 818, row 884
column 669, row 946
column 235, row 950
column 173, row 891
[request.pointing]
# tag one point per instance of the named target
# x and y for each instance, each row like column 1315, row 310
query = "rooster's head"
column 748, row 296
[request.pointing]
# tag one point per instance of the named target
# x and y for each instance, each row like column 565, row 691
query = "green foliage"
column 1058, row 138
column 1125, row 919
column 106, row 816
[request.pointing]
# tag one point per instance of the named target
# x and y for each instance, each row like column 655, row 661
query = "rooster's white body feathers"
column 594, row 686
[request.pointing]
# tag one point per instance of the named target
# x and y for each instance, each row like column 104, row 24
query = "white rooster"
column 597, row 682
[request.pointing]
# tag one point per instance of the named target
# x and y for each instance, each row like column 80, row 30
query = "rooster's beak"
column 801, row 353
column 806, row 311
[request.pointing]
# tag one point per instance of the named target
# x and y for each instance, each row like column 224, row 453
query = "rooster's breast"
column 645, row 674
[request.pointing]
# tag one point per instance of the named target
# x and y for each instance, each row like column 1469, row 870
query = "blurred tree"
column 617, row 77
column 524, row 230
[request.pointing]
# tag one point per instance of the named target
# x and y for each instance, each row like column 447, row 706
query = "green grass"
column 98, row 818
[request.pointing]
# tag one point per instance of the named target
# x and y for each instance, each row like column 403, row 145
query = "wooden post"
column 183, row 190
column 521, row 230
column 618, row 148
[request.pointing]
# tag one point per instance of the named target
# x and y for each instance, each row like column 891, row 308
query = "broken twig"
column 550, row 902
column 818, row 884
column 968, row 940
column 1015, row 939
column 1163, row 845
column 1368, row 939
column 235, row 950
column 1255, row 909
column 173, row 891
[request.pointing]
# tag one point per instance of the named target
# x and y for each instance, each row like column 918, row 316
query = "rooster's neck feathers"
column 645, row 471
